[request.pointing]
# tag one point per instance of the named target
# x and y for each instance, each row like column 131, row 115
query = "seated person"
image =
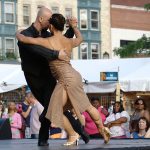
column 142, row 128
column 55, row 133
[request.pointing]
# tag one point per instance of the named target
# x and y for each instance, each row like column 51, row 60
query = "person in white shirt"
column 36, row 111
column 118, row 122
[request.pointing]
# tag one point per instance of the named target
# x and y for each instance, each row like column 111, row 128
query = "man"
column 34, row 61
column 36, row 111
column 26, row 112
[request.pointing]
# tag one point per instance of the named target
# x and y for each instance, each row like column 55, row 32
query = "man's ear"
column 40, row 19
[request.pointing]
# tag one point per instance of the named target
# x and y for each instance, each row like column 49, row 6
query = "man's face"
column 45, row 20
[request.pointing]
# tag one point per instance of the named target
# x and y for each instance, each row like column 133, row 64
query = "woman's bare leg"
column 67, row 126
column 93, row 112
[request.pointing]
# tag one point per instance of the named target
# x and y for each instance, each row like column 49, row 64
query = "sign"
column 109, row 76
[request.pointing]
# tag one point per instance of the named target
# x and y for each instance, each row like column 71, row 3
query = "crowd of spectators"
column 24, row 120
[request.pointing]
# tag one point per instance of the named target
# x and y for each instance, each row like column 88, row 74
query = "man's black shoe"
column 85, row 136
column 43, row 143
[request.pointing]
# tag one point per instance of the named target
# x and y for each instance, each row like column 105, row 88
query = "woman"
column 69, row 86
column 142, row 128
column 140, row 111
column 118, row 122
column 15, row 120
column 90, row 126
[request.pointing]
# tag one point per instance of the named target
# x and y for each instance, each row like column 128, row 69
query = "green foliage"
column 147, row 7
column 139, row 48
column 10, row 55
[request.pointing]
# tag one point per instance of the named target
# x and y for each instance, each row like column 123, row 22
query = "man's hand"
column 73, row 22
column 63, row 55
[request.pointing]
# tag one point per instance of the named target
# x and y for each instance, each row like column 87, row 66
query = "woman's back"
column 59, row 42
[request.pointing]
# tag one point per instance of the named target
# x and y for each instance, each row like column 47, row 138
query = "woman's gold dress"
column 70, row 80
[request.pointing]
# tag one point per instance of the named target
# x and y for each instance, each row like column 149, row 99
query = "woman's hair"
column 94, row 99
column 15, row 110
column 140, row 99
column 147, row 124
column 58, row 21
column 120, row 109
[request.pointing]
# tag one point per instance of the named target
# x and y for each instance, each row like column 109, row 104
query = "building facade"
column 27, row 11
column 129, row 21
column 105, row 30
column 8, row 27
column 89, row 25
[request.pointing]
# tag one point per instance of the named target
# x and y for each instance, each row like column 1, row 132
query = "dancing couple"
column 68, row 92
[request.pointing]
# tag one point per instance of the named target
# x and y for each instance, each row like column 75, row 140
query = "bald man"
column 34, row 61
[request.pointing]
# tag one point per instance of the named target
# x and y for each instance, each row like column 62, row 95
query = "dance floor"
column 30, row 144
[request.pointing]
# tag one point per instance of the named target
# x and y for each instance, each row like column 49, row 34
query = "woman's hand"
column 19, row 36
column 73, row 22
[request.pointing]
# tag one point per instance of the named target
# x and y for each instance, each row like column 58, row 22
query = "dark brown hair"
column 58, row 21
column 147, row 124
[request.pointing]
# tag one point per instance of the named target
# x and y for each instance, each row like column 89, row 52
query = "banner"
column 109, row 76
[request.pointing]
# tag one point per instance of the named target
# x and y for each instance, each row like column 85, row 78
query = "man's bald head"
column 43, row 17
column 44, row 12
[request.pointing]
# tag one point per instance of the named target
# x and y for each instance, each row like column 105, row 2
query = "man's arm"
column 46, row 53
column 69, row 33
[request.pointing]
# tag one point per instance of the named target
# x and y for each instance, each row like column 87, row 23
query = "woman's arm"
column 77, row 41
column 30, row 40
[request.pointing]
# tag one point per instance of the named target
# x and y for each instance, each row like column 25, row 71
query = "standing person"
column 26, row 113
column 140, row 111
column 36, row 111
column 69, row 85
column 34, row 61
column 15, row 120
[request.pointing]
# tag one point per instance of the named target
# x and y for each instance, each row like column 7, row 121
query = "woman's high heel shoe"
column 74, row 142
column 106, row 134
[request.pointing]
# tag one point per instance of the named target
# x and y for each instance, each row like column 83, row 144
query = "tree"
column 139, row 48
column 147, row 7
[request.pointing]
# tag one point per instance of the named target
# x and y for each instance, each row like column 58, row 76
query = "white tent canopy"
column 134, row 75
column 11, row 77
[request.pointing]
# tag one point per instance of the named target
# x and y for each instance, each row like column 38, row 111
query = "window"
column 9, row 46
column 94, row 19
column 55, row 10
column 84, row 51
column 68, row 12
column 83, row 19
column 0, row 11
column 9, row 12
column 95, row 50
column 125, row 42
column 26, row 15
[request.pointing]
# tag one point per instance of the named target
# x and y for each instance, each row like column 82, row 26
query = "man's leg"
column 42, row 88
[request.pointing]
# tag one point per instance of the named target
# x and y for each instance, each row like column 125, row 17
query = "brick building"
column 129, row 21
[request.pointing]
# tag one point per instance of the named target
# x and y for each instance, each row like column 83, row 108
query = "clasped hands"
column 72, row 22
